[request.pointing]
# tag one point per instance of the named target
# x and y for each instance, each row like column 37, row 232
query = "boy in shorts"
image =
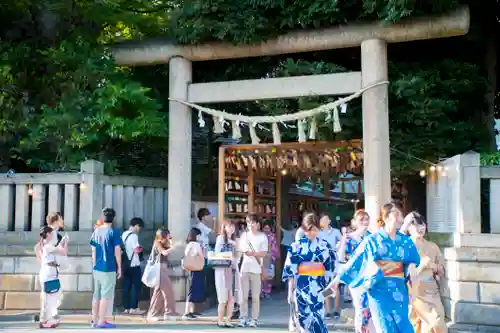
column 106, row 261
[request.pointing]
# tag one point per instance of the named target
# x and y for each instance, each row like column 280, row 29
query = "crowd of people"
column 390, row 270
column 393, row 274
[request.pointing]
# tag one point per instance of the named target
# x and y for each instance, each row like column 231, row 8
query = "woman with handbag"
column 162, row 304
column 49, row 276
column 225, row 267
column 194, row 262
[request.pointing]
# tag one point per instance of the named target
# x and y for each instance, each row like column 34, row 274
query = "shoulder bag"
column 151, row 275
column 52, row 286
column 193, row 263
column 224, row 258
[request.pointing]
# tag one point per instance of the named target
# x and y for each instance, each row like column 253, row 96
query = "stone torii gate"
column 373, row 39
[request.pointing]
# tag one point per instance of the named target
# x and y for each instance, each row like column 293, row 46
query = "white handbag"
column 151, row 275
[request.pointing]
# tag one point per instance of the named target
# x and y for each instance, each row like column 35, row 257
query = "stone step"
column 30, row 238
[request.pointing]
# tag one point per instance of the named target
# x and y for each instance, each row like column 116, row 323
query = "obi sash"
column 391, row 268
column 311, row 269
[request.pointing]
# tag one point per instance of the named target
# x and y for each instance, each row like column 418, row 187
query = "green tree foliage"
column 62, row 99
column 248, row 21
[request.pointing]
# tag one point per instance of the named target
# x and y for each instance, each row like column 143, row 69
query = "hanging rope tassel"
column 301, row 130
column 218, row 125
column 235, row 125
column 336, row 120
column 253, row 134
column 276, row 134
column 313, row 129
column 201, row 121
column 343, row 108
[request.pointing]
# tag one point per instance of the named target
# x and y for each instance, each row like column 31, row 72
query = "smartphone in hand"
column 328, row 293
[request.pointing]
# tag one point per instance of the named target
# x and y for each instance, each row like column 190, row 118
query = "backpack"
column 125, row 259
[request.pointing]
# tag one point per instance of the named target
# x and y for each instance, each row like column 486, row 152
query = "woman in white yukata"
column 50, row 285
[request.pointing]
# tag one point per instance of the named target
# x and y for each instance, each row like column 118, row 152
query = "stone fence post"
column 91, row 193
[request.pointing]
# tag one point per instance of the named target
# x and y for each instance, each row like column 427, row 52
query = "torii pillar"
column 376, row 148
column 373, row 39
column 179, row 150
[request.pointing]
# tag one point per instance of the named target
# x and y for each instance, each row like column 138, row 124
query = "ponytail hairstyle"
column 53, row 218
column 386, row 210
column 44, row 232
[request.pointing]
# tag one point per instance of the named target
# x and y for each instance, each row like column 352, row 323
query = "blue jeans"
column 132, row 287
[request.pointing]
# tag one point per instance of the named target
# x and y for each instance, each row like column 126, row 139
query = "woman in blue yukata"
column 347, row 247
column 308, row 268
column 380, row 265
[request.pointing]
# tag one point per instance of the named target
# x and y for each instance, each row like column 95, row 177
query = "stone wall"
column 20, row 287
column 471, row 292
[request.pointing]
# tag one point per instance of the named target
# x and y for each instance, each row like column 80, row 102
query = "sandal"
column 47, row 324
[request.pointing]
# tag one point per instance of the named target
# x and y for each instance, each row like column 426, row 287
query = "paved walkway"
column 74, row 328
column 274, row 315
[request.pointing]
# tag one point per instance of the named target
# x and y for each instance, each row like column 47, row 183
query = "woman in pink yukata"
column 267, row 285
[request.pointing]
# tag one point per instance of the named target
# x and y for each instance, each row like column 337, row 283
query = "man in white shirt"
column 254, row 246
column 333, row 237
column 132, row 273
column 204, row 218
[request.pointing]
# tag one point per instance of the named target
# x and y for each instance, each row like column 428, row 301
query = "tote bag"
column 193, row 263
column 151, row 275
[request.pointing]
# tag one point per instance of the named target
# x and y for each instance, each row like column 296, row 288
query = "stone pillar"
column 91, row 194
column 469, row 216
column 454, row 195
column 376, row 153
column 179, row 150
column 495, row 206
column 7, row 195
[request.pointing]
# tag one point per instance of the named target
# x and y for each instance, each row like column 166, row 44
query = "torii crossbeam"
column 373, row 39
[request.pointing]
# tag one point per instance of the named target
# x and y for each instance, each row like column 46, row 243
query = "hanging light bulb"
column 30, row 189
column 439, row 168
column 422, row 173
column 83, row 186
column 432, row 168
column 284, row 172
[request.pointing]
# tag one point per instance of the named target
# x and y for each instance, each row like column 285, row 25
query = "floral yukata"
column 378, row 266
column 427, row 311
column 311, row 264
column 359, row 295
column 273, row 252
